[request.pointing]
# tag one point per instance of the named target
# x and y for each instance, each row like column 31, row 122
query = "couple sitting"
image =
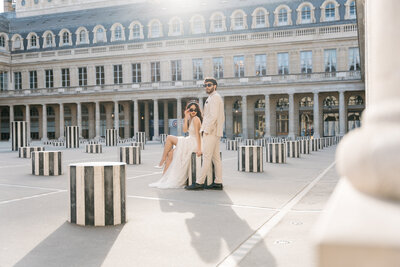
column 204, row 137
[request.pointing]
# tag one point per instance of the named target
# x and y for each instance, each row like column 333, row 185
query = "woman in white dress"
column 176, row 161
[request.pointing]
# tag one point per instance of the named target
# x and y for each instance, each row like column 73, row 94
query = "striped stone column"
column 130, row 154
column 139, row 144
column 92, row 142
column 231, row 145
column 320, row 143
column 19, row 134
column 163, row 138
column 140, row 137
column 94, row 148
column 250, row 159
column 276, row 153
column 304, row 146
column 46, row 163
column 314, row 144
column 25, row 152
column 262, row 142
column 111, row 137
column 72, row 137
column 239, row 139
column 195, row 170
column 58, row 143
column 293, row 149
column 249, row 142
column 98, row 193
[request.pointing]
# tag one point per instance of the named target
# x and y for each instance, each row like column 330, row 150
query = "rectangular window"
column 155, row 71
column 218, row 66
column 118, row 74
column 136, row 73
column 17, row 81
column 197, row 69
column 238, row 62
column 176, row 70
column 49, row 78
column 65, row 79
column 33, row 84
column 100, row 75
column 82, row 76
column 261, row 65
column 330, row 60
column 283, row 63
column 354, row 59
column 3, row 80
column 306, row 61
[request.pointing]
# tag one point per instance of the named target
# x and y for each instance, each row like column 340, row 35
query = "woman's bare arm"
column 197, row 126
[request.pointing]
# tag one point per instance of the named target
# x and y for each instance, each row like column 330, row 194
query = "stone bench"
column 195, row 170
column 231, row 145
column 46, row 163
column 139, row 144
column 97, row 193
column 276, row 153
column 94, row 148
column 130, row 154
column 25, row 152
column 250, row 159
column 304, row 146
column 293, row 149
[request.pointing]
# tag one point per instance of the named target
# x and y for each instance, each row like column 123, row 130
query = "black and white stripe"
column 305, row 146
column 47, row 163
column 320, row 143
column 250, row 159
column 19, row 134
column 94, row 148
column 140, row 137
column 111, row 137
column 293, row 149
column 276, row 153
column 239, row 139
column 231, row 145
column 58, row 143
column 249, row 142
column 130, row 154
column 194, row 171
column 98, row 193
column 25, row 152
column 314, row 144
column 262, row 142
column 72, row 136
column 92, row 142
column 163, row 138
column 140, row 144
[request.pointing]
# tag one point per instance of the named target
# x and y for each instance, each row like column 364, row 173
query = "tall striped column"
column 72, row 136
column 276, row 153
column 293, row 149
column 163, row 138
column 19, row 134
column 98, row 193
column 304, row 146
column 195, row 170
column 231, row 145
column 250, row 159
column 25, row 152
column 46, row 163
column 321, row 143
column 111, row 137
column 314, row 144
column 140, row 137
column 130, row 154
column 94, row 148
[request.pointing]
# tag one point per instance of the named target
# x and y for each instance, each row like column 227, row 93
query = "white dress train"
column 177, row 173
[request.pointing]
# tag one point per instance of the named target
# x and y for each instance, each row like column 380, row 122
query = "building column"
column 135, row 116
column 147, row 120
column 11, row 115
column 342, row 114
column 179, row 115
column 155, row 120
column 201, row 103
column 291, row 116
column 97, row 119
column 267, row 117
column 44, row 122
column 223, row 108
column 166, row 122
column 61, row 121
column 116, row 117
column 79, row 117
column 28, row 120
column 316, row 116
column 244, row 117
column 127, row 119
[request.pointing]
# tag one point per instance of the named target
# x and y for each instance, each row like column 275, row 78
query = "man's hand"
column 199, row 153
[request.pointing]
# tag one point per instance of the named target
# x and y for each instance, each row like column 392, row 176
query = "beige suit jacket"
column 213, row 115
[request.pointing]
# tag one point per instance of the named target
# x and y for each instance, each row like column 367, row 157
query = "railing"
column 190, row 84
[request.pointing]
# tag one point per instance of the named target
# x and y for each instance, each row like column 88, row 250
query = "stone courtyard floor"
column 259, row 219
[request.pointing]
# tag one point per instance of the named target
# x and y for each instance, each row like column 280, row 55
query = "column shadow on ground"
column 73, row 245
column 209, row 229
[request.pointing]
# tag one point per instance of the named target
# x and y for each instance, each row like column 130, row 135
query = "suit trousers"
column 211, row 153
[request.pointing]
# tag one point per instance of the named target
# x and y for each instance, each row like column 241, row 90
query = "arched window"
column 65, row 38
column 353, row 10
column 175, row 27
column 306, row 14
column 260, row 104
column 260, row 19
column 50, row 111
column 2, row 41
column 82, row 37
column 330, row 12
column 356, row 100
column 238, row 21
column 218, row 27
column 136, row 31
column 33, row 41
column 197, row 25
column 306, row 102
column 155, row 29
column 118, row 33
column 17, row 43
column 217, row 22
column 330, row 102
column 34, row 112
column 100, row 35
column 282, row 17
column 49, row 40
column 283, row 103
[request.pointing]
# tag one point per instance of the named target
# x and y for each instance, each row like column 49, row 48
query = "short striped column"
column 249, row 142
column 262, row 142
column 19, row 134
column 314, row 144
column 293, row 149
column 163, row 138
column 195, row 169
column 92, row 142
column 97, row 193
column 276, row 152
column 94, row 148
column 111, row 137
column 72, row 137
column 46, row 163
column 250, row 159
column 130, row 155
column 304, row 146
column 58, row 143
column 25, row 152
column 231, row 145
column 140, row 144
column 239, row 139
column 320, row 143
column 140, row 137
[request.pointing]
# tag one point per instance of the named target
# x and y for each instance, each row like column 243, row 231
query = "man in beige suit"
column 211, row 130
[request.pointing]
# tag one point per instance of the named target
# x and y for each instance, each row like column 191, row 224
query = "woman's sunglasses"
column 208, row 85
column 192, row 110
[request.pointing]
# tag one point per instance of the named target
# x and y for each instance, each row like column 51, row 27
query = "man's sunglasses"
column 208, row 85
column 192, row 110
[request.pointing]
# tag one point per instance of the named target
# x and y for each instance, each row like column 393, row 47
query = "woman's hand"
column 199, row 153
column 187, row 114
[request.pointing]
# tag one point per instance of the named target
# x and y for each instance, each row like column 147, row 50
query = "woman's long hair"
column 198, row 114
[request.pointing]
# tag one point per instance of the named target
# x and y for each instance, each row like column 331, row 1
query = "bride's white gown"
column 177, row 173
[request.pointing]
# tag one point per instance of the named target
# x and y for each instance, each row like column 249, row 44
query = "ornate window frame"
column 299, row 15
column 53, row 39
column 5, row 36
column 254, row 20
column 150, row 34
column 60, row 34
column 29, row 43
column 95, row 41
column 171, row 26
column 203, row 24
column 233, row 17
column 347, row 14
column 131, row 26
column 113, row 28
column 323, row 7
column 289, row 15
column 13, row 39
column 212, row 26
column 78, row 35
